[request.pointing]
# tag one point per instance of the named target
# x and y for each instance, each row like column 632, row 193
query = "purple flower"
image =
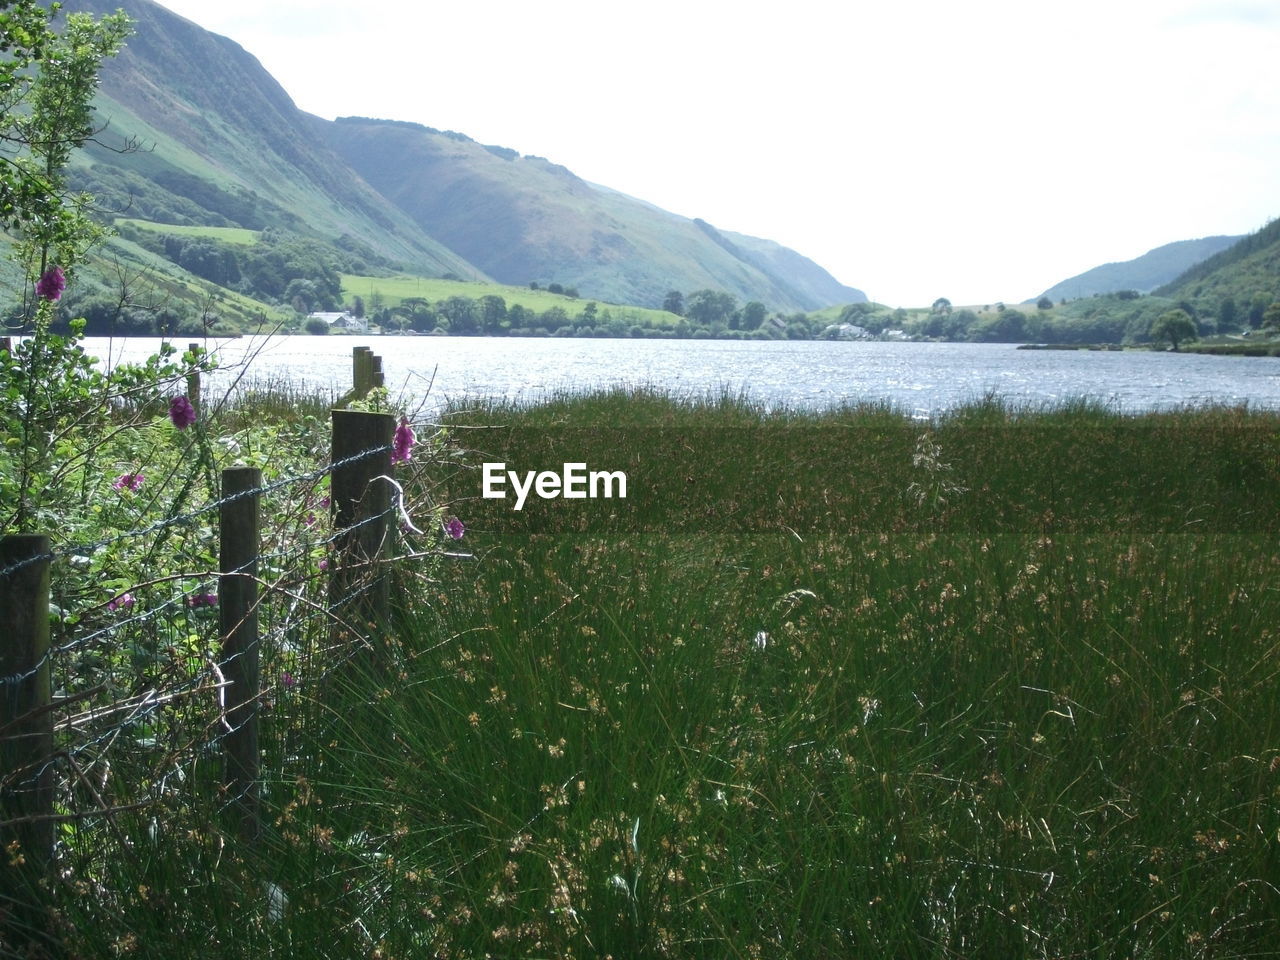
column 122, row 602
column 288, row 680
column 51, row 284
column 403, row 442
column 324, row 564
column 181, row 412
column 455, row 528
column 197, row 600
column 128, row 481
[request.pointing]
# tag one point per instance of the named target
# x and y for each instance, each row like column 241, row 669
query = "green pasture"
column 236, row 235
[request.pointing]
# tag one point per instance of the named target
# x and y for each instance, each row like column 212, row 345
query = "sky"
column 916, row 149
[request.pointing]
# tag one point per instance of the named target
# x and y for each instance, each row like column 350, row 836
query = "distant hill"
column 523, row 218
column 1153, row 269
column 1248, row 272
column 222, row 144
column 223, row 147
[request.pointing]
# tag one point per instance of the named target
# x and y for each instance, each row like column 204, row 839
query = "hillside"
column 223, row 144
column 1153, row 269
column 1246, row 273
column 522, row 219
column 202, row 145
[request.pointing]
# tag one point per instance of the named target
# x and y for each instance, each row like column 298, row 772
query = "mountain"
column 524, row 218
column 201, row 137
column 1247, row 272
column 222, row 144
column 1144, row 274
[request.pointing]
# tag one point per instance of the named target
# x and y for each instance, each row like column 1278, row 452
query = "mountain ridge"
column 229, row 147
column 1156, row 267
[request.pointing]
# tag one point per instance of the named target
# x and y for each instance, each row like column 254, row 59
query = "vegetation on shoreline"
column 1010, row 693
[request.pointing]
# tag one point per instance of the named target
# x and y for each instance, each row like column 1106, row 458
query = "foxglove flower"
column 128, row 481
column 455, row 529
column 181, row 412
column 403, row 442
column 123, row 602
column 51, row 284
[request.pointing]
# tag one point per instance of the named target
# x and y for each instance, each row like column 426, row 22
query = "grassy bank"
column 823, row 685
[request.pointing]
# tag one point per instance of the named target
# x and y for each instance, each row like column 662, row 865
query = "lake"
column 921, row 379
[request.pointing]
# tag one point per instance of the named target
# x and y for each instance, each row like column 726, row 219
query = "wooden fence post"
column 376, row 377
column 26, row 736
column 238, row 622
column 359, row 591
column 193, row 378
column 361, row 372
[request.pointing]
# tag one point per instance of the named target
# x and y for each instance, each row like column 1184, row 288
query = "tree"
column 1174, row 326
column 941, row 305
column 1228, row 313
column 753, row 314
column 673, row 302
column 1257, row 307
column 1044, row 303
column 47, row 84
column 317, row 326
column 1271, row 316
column 710, row 308
column 493, row 313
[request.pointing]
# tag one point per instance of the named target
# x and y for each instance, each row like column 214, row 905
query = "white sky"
column 980, row 151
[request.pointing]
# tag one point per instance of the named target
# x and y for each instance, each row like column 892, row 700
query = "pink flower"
column 181, row 412
column 288, row 680
column 122, row 602
column 403, row 442
column 202, row 600
column 455, row 528
column 51, row 284
column 128, row 481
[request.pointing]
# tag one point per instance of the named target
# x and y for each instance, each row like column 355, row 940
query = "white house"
column 342, row 321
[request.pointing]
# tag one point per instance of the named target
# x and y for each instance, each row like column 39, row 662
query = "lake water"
column 919, row 378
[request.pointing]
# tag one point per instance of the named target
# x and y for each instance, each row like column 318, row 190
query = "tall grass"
column 837, row 685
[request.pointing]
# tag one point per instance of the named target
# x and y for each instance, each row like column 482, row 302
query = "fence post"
column 193, row 378
column 26, row 735
column 361, row 372
column 376, row 377
column 238, row 622
column 359, row 591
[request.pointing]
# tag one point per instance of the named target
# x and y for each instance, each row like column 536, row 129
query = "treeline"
column 703, row 314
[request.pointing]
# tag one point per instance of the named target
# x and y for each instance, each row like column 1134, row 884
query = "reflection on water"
column 919, row 378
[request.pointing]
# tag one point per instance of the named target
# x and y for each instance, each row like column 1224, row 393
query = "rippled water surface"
column 919, row 378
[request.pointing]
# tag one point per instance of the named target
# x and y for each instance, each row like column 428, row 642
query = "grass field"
column 822, row 686
column 394, row 290
column 235, row 235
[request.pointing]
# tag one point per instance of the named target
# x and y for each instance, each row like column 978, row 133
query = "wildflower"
column 128, row 481
column 123, row 602
column 51, row 284
column 324, row 564
column 455, row 529
column 197, row 600
column 288, row 680
column 181, row 412
column 403, row 442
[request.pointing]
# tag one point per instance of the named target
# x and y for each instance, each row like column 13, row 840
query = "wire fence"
column 108, row 698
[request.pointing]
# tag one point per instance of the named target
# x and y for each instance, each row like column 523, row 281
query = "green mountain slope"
column 1153, row 269
column 221, row 143
column 523, row 219
column 217, row 178
column 1248, row 272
